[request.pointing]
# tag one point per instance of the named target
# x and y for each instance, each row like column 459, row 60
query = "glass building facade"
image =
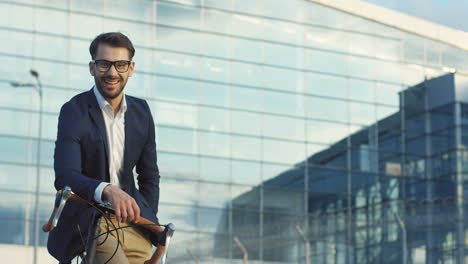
column 269, row 115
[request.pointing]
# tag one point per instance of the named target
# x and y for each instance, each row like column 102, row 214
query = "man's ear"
column 91, row 68
column 131, row 68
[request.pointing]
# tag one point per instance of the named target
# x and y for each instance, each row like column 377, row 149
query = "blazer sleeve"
column 147, row 168
column 67, row 155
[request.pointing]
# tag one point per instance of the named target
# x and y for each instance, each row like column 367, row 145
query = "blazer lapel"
column 96, row 114
column 130, row 121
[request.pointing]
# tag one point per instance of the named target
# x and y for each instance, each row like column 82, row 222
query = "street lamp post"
column 38, row 88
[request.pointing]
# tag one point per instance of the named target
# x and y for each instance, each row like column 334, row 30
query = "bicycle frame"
column 66, row 194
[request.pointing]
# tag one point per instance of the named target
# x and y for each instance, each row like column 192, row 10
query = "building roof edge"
column 382, row 15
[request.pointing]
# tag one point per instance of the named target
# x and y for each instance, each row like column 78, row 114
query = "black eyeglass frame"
column 112, row 63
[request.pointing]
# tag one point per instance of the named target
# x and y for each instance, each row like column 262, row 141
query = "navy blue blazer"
column 81, row 162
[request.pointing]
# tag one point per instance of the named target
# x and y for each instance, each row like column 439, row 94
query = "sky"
column 451, row 13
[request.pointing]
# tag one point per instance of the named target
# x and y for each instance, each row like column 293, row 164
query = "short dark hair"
column 113, row 39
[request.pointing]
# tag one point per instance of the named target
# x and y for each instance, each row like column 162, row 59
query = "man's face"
column 111, row 83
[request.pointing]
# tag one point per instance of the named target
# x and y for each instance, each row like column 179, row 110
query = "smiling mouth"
column 111, row 82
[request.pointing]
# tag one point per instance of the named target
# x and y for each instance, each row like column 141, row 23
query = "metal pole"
column 307, row 244
column 404, row 238
column 195, row 259
column 38, row 168
column 242, row 248
column 38, row 89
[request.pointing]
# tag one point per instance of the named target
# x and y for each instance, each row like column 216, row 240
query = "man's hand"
column 125, row 207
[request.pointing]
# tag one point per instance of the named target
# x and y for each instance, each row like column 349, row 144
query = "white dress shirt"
column 115, row 132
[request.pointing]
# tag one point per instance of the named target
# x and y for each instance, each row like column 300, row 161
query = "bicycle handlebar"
column 62, row 197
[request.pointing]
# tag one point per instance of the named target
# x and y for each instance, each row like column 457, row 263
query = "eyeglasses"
column 105, row 65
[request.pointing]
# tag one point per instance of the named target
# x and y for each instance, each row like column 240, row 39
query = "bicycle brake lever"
column 169, row 232
column 66, row 193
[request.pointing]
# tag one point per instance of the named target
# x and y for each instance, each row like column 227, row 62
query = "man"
column 102, row 135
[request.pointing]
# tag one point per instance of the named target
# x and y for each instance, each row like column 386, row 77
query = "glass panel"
column 246, row 147
column 335, row 156
column 361, row 113
column 326, row 85
column 413, row 48
column 18, row 150
column 213, row 119
column 214, row 195
column 53, row 73
column 326, row 109
column 80, row 52
column 85, row 26
column 270, row 171
column 325, row 132
column 17, row 43
column 178, row 15
column 282, row 55
column 174, row 114
column 245, row 123
column 214, row 94
column 93, row 6
column 177, row 64
column 287, row 104
column 213, row 45
column 170, row 165
column 318, row 37
column 326, row 185
column 387, row 94
column 14, row 177
column 326, row 62
column 282, row 31
column 10, row 126
column 282, row 79
column 210, row 219
column 384, row 112
column 245, row 172
column 214, row 70
column 247, row 74
column 17, row 16
column 173, row 139
column 130, row 9
column 215, row 169
column 246, row 98
column 185, row 216
column 52, row 21
column 283, row 151
column 177, row 89
column 247, row 26
column 214, row 20
column 79, row 78
column 361, row 90
column 245, row 198
column 246, row 6
column 285, row 200
column 177, row 39
column 246, row 226
column 179, row 191
column 214, row 144
column 283, row 127
column 248, row 50
column 14, row 69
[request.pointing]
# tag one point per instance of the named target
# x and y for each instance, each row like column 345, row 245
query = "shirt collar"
column 103, row 103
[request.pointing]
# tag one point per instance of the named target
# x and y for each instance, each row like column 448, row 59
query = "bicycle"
column 88, row 254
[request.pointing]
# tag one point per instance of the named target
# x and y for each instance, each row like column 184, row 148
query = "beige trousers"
column 134, row 248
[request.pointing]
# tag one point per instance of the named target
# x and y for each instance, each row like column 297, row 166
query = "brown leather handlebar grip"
column 47, row 227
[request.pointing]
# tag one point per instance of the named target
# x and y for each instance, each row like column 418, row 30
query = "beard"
column 101, row 84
